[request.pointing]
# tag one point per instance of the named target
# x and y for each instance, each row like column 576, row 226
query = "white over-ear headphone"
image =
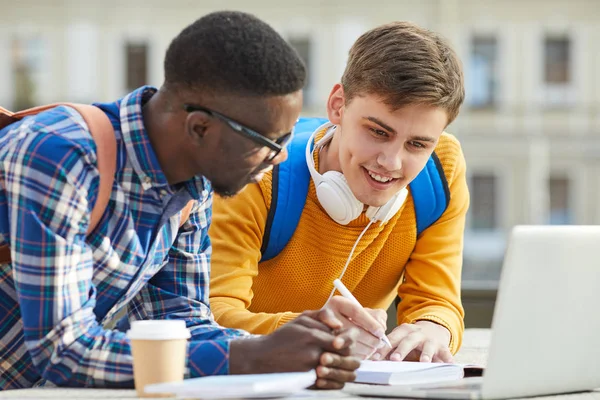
column 335, row 195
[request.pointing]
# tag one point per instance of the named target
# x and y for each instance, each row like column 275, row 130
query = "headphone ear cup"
column 337, row 199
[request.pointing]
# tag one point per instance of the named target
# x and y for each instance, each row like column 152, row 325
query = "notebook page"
column 236, row 386
column 403, row 372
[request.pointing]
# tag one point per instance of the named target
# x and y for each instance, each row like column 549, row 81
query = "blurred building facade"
column 530, row 128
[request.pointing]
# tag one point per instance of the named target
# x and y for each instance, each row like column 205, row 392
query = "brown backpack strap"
column 4, row 254
column 185, row 212
column 103, row 134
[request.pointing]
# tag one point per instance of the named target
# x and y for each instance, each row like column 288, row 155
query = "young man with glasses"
column 276, row 146
column 401, row 87
column 59, row 285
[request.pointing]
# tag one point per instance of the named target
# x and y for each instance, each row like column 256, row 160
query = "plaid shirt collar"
column 139, row 149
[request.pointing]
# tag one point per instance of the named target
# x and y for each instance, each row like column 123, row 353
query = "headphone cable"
column 349, row 259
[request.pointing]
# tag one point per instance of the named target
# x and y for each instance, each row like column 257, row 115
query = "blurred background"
column 530, row 127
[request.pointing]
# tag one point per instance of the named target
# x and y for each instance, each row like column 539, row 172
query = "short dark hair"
column 405, row 64
column 233, row 53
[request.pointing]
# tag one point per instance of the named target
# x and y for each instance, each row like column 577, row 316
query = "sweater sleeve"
column 431, row 287
column 236, row 233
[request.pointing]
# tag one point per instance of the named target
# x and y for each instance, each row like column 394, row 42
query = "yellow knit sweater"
column 260, row 297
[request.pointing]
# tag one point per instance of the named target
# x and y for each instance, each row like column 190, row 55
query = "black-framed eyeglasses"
column 275, row 145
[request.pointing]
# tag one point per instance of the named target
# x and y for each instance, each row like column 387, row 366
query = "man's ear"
column 197, row 124
column 335, row 104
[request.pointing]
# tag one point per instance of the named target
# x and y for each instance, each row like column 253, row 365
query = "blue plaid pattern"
column 62, row 287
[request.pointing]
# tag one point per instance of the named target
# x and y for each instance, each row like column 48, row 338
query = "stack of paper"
column 237, row 386
column 407, row 373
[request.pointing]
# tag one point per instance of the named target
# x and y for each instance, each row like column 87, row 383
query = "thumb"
column 379, row 314
column 382, row 317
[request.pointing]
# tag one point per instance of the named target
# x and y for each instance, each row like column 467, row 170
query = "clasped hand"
column 314, row 340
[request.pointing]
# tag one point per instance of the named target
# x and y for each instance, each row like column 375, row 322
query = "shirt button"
column 147, row 180
column 163, row 193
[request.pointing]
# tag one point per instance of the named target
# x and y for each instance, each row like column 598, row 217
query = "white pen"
column 346, row 293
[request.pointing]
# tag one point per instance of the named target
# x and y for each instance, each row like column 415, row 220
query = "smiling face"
column 380, row 151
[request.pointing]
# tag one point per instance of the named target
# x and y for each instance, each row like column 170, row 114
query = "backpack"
column 103, row 134
column 291, row 179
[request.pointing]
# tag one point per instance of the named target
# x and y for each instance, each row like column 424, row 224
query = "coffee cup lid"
column 164, row 329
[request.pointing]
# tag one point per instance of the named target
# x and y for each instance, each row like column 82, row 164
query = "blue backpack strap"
column 429, row 190
column 291, row 180
column 430, row 193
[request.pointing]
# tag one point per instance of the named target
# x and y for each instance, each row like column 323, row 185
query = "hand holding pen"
column 371, row 323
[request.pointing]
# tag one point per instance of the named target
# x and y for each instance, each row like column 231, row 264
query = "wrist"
column 244, row 356
column 440, row 331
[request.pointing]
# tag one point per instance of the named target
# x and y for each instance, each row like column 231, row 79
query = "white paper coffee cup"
column 159, row 350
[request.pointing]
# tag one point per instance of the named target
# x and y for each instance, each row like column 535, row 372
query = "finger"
column 357, row 314
column 428, row 351
column 366, row 349
column 363, row 351
column 340, row 343
column 443, row 355
column 333, row 375
column 381, row 352
column 328, row 317
column 395, row 337
column 379, row 314
column 345, row 341
column 333, row 360
column 364, row 337
column 368, row 339
column 311, row 323
column 325, row 384
column 315, row 337
column 372, row 354
column 408, row 344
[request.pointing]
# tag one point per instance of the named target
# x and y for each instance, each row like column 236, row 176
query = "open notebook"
column 237, row 386
column 410, row 373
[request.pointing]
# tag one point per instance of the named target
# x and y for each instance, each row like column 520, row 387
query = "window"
column 557, row 52
column 483, row 213
column 483, row 72
column 26, row 65
column 560, row 207
column 136, row 65
column 558, row 87
column 303, row 47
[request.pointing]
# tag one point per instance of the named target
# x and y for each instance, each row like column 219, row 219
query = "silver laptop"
column 546, row 324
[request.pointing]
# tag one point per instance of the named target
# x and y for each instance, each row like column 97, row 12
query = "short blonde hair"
column 405, row 64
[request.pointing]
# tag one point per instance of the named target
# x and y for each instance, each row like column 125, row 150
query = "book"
column 411, row 373
column 237, row 386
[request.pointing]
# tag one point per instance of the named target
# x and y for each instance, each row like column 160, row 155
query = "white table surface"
column 473, row 351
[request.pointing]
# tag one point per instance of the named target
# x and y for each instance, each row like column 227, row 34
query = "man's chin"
column 374, row 198
column 222, row 191
column 375, row 201
column 231, row 190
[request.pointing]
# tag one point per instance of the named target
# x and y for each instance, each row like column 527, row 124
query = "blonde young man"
column 401, row 88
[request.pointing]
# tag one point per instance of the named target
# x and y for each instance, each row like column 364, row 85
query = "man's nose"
column 391, row 158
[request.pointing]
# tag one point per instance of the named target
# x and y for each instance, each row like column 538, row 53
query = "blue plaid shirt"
column 62, row 287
